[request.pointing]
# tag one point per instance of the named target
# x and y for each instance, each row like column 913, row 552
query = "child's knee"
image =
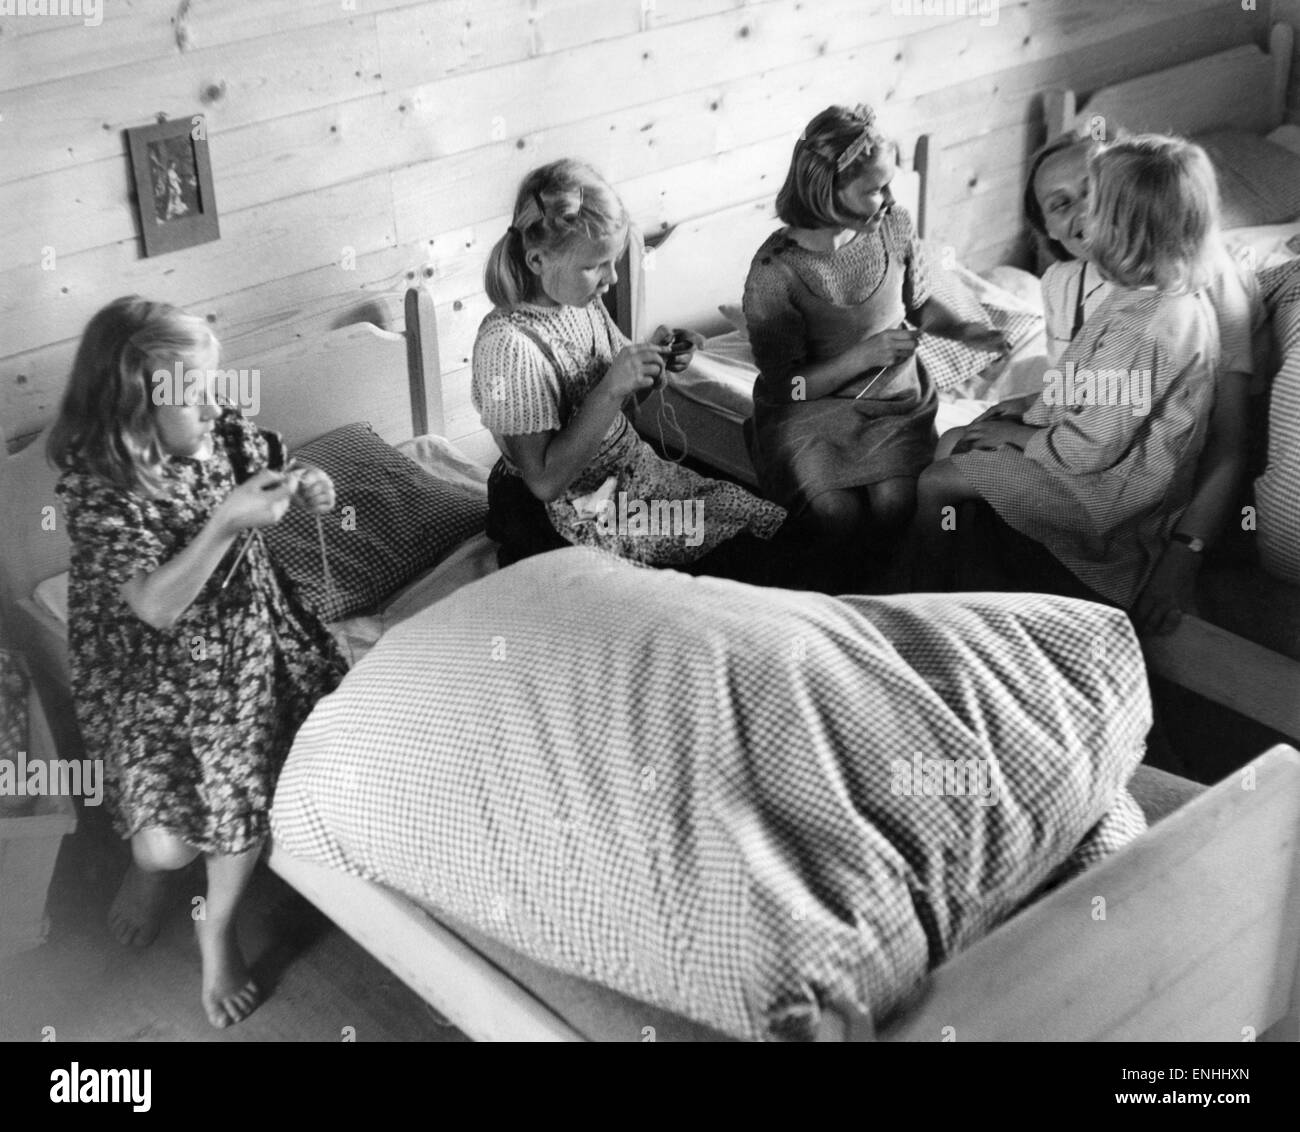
column 893, row 501
column 942, row 481
column 157, row 851
column 930, row 483
column 836, row 514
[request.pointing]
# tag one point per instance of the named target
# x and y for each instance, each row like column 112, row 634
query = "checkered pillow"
column 950, row 363
column 392, row 522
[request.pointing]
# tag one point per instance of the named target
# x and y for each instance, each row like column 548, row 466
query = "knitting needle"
column 248, row 541
column 248, row 535
column 324, row 560
column 881, row 371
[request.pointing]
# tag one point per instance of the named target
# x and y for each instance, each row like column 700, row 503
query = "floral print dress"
column 192, row 722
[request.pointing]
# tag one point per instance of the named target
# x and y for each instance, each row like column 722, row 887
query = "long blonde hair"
column 105, row 419
column 557, row 204
column 1153, row 213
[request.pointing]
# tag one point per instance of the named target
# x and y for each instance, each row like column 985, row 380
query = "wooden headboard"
column 1242, row 88
column 357, row 372
column 680, row 276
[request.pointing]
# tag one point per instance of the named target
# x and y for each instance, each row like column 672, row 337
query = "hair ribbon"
column 855, row 148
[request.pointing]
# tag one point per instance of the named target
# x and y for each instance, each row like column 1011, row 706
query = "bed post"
column 625, row 301
column 422, row 366
column 921, row 167
column 1281, row 38
column 1058, row 112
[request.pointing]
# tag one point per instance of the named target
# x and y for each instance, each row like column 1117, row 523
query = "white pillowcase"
column 52, row 596
column 1265, row 246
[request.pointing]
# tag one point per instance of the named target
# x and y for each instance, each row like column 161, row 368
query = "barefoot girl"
column 843, row 415
column 192, row 668
column 1100, row 477
column 551, row 375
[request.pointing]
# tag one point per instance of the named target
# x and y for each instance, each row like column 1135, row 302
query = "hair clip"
column 541, row 204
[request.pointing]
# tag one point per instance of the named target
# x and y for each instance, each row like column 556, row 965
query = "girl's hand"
column 1012, row 409
column 634, row 369
column 677, row 347
column 315, row 490
column 887, row 348
column 260, row 501
column 986, row 436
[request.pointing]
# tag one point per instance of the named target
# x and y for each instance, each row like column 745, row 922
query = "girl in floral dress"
column 192, row 665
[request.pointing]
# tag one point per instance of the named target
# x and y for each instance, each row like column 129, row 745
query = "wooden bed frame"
column 1202, row 935
column 1243, row 88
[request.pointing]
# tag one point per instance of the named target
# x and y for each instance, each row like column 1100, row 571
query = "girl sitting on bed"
column 191, row 667
column 551, row 375
column 1056, row 205
column 1098, row 474
column 843, row 414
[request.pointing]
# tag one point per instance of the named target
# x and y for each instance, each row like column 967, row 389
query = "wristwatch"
column 1194, row 544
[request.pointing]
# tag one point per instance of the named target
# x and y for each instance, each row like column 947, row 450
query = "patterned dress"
column 533, row 367
column 804, row 306
column 1102, row 485
column 192, row 722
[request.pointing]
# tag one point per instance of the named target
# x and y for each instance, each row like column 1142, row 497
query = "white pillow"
column 444, row 461
column 1265, row 246
column 52, row 596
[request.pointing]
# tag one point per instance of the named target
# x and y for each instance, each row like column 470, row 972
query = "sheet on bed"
column 715, row 798
column 1277, row 488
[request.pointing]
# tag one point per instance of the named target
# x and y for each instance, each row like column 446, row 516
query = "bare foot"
column 229, row 993
column 136, row 911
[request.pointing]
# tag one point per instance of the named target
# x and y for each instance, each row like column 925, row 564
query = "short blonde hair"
column 834, row 149
column 105, row 420
column 1153, row 213
column 557, row 204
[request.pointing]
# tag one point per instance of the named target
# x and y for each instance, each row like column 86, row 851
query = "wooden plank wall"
column 359, row 145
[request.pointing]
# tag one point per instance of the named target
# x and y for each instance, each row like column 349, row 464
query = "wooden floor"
column 89, row 988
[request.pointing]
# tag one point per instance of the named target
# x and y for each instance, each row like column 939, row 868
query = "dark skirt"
column 801, row 449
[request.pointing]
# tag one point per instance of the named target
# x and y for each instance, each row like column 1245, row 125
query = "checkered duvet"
column 737, row 804
column 1275, row 489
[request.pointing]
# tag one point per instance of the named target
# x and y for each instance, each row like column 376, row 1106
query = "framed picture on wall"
column 173, row 184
